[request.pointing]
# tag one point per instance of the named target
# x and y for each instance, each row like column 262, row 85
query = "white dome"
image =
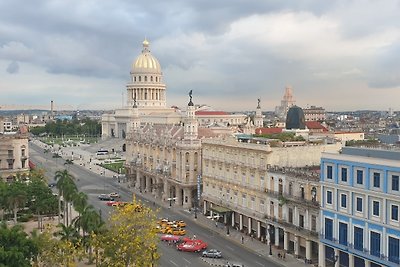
column 145, row 62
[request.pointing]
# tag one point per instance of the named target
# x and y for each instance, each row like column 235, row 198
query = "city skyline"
column 340, row 55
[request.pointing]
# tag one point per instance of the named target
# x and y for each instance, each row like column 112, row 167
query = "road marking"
column 173, row 263
column 230, row 248
column 186, row 260
column 259, row 263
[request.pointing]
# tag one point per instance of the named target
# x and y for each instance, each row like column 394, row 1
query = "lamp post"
column 270, row 231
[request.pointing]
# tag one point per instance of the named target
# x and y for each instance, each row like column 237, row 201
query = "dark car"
column 212, row 253
column 105, row 197
column 52, row 185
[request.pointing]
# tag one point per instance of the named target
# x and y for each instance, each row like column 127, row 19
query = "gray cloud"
column 242, row 48
column 13, row 67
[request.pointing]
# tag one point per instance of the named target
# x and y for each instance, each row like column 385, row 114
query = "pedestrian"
column 242, row 239
column 216, row 224
column 251, row 237
column 194, row 237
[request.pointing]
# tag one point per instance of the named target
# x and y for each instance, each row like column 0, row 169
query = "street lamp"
column 270, row 231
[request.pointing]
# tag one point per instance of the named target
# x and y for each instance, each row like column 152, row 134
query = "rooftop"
column 372, row 152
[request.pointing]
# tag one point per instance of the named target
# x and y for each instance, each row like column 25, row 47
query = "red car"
column 110, row 203
column 171, row 238
column 190, row 245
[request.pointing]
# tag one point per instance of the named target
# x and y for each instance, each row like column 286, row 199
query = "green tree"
column 16, row 248
column 65, row 185
column 131, row 239
column 16, row 197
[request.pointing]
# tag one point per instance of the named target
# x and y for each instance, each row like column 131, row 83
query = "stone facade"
column 255, row 187
column 14, row 156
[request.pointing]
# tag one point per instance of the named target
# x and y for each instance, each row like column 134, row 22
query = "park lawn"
column 115, row 166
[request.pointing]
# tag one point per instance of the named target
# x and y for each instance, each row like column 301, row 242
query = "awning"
column 220, row 210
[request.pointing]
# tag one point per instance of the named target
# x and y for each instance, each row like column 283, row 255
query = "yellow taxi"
column 180, row 223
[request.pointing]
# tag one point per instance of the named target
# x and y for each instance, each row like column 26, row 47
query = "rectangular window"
column 290, row 215
column 360, row 177
column 313, row 223
column 375, row 244
column 377, row 180
column 395, row 213
column 301, row 220
column 343, row 201
column 329, row 172
column 329, row 197
column 395, row 183
column 358, row 238
column 394, row 247
column 359, row 204
column 375, row 208
column 343, row 234
column 328, row 229
column 344, row 174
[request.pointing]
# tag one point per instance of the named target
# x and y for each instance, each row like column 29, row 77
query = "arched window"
column 134, row 78
column 145, row 78
column 290, row 188
column 151, row 78
column 140, row 78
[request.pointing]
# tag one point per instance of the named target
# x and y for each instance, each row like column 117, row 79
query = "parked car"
column 180, row 223
column 105, row 197
column 114, row 195
column 110, row 203
column 171, row 238
column 212, row 253
column 52, row 185
column 176, row 231
column 190, row 245
column 119, row 203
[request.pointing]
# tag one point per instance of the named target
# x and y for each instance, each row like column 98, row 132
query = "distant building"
column 286, row 102
column 314, row 113
column 360, row 223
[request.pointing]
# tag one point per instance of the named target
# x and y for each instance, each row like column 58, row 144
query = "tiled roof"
column 273, row 130
column 211, row 113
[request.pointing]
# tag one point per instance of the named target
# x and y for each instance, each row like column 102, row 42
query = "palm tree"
column 79, row 201
column 69, row 192
column 63, row 178
column 67, row 233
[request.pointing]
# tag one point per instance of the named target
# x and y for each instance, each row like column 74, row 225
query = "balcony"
column 293, row 199
column 296, row 229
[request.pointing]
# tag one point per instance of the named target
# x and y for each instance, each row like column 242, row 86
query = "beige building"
column 14, row 155
column 147, row 89
column 314, row 113
column 165, row 160
column 255, row 187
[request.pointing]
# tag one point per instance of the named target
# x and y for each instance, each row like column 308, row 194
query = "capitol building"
column 147, row 89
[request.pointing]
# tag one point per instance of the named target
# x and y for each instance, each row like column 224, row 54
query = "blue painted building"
column 360, row 208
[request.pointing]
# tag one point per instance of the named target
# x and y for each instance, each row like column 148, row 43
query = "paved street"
column 89, row 180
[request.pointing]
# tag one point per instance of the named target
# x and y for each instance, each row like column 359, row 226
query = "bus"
column 102, row 152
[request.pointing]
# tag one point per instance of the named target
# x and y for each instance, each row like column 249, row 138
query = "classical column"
column 166, row 190
column 337, row 263
column 258, row 229
column 296, row 246
column 351, row 260
column 179, row 196
column 249, row 225
column 367, row 263
column 276, row 236
column 321, row 255
column 308, row 250
column 148, row 188
column 286, row 241
column 138, row 177
column 240, row 222
column 233, row 219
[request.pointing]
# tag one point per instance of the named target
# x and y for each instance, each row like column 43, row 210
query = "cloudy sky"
column 342, row 55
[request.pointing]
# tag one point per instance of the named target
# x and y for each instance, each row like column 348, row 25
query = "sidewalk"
column 249, row 243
